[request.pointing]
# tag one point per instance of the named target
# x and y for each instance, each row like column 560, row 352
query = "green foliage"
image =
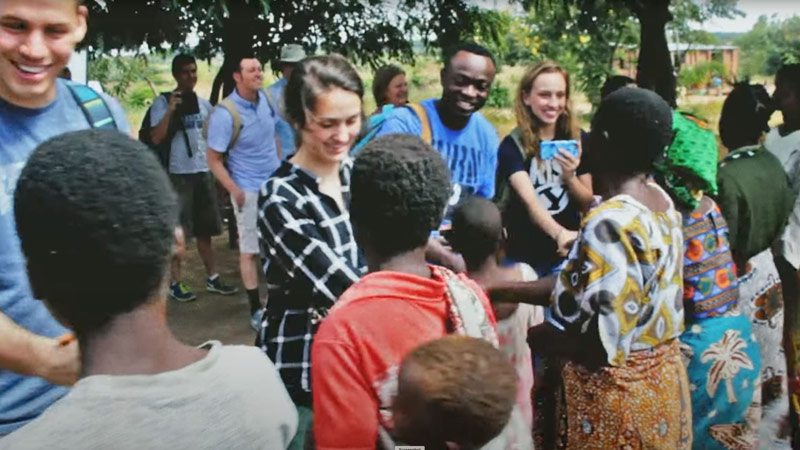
column 582, row 40
column 367, row 32
column 118, row 74
column 600, row 17
column 770, row 44
column 688, row 12
column 139, row 97
column 701, row 75
column 499, row 97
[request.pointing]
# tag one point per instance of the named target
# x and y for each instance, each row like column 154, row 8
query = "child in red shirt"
column 399, row 189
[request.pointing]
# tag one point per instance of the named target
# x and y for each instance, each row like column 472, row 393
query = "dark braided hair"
column 745, row 115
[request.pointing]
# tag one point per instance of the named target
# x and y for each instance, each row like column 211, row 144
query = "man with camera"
column 178, row 118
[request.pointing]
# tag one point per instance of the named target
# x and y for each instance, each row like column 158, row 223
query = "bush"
column 700, row 76
column 140, row 96
column 499, row 96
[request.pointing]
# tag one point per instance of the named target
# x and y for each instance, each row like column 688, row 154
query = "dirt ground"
column 212, row 316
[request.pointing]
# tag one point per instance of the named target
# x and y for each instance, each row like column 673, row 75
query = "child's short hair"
column 96, row 216
column 399, row 189
column 456, row 389
column 477, row 231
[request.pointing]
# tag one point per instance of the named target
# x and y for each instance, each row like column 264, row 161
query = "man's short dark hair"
column 96, row 214
column 180, row 61
column 614, row 83
column 745, row 115
column 236, row 61
column 790, row 74
column 399, row 189
column 469, row 47
column 477, row 231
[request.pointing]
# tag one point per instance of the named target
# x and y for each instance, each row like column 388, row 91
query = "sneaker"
column 179, row 291
column 218, row 287
column 255, row 321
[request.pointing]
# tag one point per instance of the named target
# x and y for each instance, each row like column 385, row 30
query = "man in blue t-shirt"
column 255, row 154
column 461, row 135
column 36, row 41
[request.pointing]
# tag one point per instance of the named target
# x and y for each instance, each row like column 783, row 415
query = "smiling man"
column 36, row 41
column 254, row 152
column 462, row 136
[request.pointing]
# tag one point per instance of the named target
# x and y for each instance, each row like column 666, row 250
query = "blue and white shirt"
column 283, row 129
column 23, row 129
column 470, row 153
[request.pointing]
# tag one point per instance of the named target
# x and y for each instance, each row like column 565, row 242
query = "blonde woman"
column 545, row 196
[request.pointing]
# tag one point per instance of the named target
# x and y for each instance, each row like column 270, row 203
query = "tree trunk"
column 152, row 86
column 238, row 30
column 655, row 70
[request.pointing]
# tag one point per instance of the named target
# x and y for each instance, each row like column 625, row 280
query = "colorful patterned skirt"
column 761, row 299
column 724, row 366
column 644, row 404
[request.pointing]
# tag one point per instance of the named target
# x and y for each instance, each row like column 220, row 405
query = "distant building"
column 689, row 55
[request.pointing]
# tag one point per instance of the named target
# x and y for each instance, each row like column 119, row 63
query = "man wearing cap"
column 291, row 54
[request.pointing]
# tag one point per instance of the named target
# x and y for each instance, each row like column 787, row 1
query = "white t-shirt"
column 787, row 150
column 179, row 160
column 232, row 398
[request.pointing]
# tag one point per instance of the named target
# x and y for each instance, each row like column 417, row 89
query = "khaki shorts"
column 197, row 193
column 247, row 223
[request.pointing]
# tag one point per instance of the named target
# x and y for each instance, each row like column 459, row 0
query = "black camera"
column 189, row 105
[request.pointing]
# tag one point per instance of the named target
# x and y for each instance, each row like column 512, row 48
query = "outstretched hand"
column 564, row 240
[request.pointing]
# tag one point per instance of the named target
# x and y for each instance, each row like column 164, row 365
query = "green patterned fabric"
column 690, row 167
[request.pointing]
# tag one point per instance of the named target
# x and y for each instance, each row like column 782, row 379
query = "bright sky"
column 753, row 9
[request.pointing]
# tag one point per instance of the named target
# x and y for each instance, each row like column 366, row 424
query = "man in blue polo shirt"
column 36, row 41
column 253, row 157
column 461, row 135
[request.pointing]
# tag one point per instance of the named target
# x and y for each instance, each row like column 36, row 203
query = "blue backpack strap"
column 93, row 106
column 374, row 124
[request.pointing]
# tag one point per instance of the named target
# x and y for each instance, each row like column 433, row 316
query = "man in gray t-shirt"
column 139, row 387
column 179, row 118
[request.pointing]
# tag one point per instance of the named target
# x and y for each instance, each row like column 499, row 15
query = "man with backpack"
column 174, row 124
column 37, row 38
column 291, row 54
column 454, row 127
column 243, row 126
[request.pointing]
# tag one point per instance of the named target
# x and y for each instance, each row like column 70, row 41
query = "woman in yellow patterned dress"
column 616, row 309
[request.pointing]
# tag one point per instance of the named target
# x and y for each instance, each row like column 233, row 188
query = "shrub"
column 700, row 76
column 499, row 96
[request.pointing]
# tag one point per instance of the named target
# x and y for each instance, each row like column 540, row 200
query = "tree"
column 655, row 70
column 768, row 45
column 584, row 41
column 366, row 31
